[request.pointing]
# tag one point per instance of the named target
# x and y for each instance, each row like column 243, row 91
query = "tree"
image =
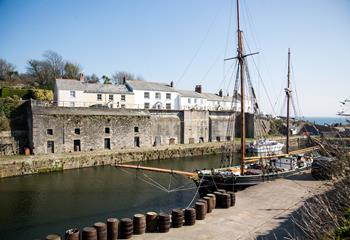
column 6, row 69
column 118, row 77
column 92, row 79
column 71, row 70
column 106, row 79
column 46, row 71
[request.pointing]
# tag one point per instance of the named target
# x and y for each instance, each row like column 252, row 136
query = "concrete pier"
column 261, row 212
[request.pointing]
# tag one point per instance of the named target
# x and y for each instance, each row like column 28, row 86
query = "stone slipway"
column 261, row 212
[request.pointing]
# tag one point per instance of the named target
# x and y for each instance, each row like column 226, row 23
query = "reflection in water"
column 33, row 206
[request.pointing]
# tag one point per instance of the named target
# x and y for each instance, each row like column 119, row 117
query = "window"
column 146, row 105
column 72, row 94
column 195, row 100
column 228, row 138
column 168, row 96
column 110, row 97
column 189, row 100
column 157, row 95
column 99, row 97
column 136, row 129
column 122, row 106
column 218, row 139
column 107, row 130
column 146, row 95
column 77, row 131
column 50, row 147
column 122, row 97
column 107, row 143
column 76, row 145
column 168, row 106
column 49, row 132
column 71, row 104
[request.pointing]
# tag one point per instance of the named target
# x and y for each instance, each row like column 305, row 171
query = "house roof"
column 151, row 86
column 185, row 93
column 216, row 97
column 73, row 84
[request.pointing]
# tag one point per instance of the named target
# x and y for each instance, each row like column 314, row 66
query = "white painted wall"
column 83, row 99
column 140, row 100
column 195, row 103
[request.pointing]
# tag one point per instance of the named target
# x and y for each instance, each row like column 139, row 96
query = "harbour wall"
column 34, row 164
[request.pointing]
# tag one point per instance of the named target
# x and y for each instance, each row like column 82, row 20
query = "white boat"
column 265, row 146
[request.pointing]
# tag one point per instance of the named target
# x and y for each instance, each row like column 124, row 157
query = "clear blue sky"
column 185, row 41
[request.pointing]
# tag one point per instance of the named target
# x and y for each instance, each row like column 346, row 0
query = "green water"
column 32, row 207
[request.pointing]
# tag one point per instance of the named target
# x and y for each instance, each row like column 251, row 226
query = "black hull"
column 212, row 182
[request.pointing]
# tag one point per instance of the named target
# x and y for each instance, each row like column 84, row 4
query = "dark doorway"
column 77, row 146
column 228, row 138
column 218, row 139
column 50, row 147
column 201, row 139
column 136, row 141
column 107, row 143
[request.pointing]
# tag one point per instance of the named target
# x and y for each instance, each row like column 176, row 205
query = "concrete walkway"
column 259, row 211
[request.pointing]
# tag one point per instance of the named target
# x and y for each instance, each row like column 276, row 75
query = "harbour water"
column 33, row 206
column 327, row 120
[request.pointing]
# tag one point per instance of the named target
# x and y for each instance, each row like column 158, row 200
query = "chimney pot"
column 198, row 89
column 220, row 93
column 81, row 77
column 171, row 84
column 124, row 80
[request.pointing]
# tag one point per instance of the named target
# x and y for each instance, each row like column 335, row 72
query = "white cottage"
column 77, row 93
column 152, row 95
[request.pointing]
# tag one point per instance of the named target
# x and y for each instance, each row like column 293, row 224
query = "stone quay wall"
column 33, row 164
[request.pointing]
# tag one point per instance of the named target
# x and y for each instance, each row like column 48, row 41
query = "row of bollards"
column 151, row 222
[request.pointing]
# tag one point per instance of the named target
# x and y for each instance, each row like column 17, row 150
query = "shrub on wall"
column 8, row 105
column 42, row 94
column 4, row 122
column 9, row 92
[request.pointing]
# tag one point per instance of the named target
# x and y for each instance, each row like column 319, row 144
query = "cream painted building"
column 77, row 93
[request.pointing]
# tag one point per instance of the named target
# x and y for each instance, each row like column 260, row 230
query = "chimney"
column 81, row 77
column 220, row 93
column 171, row 84
column 198, row 89
column 124, row 80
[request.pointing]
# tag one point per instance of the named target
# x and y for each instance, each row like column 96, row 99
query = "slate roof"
column 73, row 84
column 151, row 86
column 216, row 97
column 192, row 94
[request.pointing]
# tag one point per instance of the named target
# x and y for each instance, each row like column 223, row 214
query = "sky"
column 185, row 41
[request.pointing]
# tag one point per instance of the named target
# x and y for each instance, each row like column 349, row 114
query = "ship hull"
column 209, row 183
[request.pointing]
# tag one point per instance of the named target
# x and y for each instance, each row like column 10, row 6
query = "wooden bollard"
column 89, row 233
column 101, row 229
column 126, row 228
column 163, row 222
column 233, row 198
column 112, row 228
column 201, row 211
column 72, row 234
column 210, row 204
column 177, row 218
column 151, row 221
column 205, row 203
column 214, row 199
column 139, row 224
column 190, row 216
column 53, row 237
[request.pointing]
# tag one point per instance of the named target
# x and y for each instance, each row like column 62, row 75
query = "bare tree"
column 55, row 63
column 40, row 71
column 7, row 70
column 71, row 70
column 92, row 79
column 118, row 77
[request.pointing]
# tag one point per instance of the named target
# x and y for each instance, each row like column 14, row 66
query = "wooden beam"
column 161, row 170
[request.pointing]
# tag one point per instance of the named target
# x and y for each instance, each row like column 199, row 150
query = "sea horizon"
column 326, row 119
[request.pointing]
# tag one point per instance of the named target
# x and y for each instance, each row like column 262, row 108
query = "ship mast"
column 241, row 64
column 288, row 93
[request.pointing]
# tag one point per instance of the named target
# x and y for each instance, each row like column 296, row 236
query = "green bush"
column 8, row 105
column 42, row 94
column 4, row 122
column 22, row 93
